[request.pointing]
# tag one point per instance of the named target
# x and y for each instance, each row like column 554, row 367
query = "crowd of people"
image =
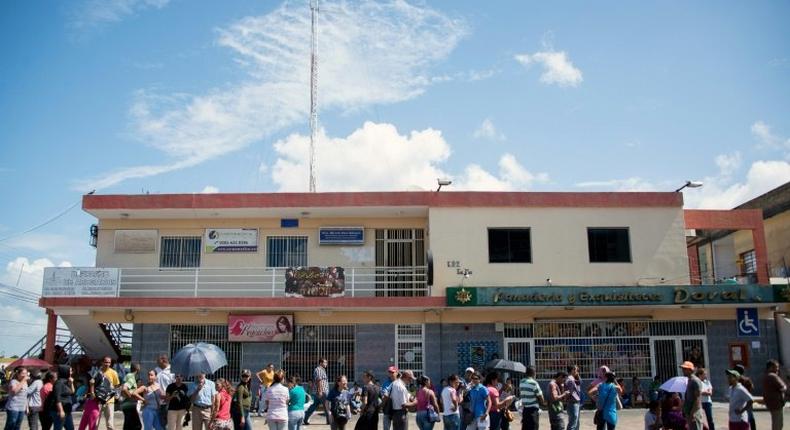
column 161, row 399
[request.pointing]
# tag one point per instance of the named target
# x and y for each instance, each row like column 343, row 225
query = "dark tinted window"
column 509, row 245
column 609, row 245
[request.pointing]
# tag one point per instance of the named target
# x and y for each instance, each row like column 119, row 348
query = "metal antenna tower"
column 313, row 92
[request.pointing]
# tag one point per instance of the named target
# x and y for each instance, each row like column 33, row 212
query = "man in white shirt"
column 401, row 399
column 164, row 377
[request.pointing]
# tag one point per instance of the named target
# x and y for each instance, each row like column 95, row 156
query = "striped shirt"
column 530, row 391
column 320, row 381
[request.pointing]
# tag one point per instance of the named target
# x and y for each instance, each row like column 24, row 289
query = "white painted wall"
column 559, row 246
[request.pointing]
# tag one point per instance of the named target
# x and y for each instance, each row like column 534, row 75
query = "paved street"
column 630, row 419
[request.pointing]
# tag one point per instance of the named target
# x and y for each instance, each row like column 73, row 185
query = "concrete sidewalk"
column 628, row 419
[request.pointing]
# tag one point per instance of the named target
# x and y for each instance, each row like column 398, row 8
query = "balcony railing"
column 408, row 281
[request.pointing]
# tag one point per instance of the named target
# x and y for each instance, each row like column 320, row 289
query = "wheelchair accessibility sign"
column 748, row 323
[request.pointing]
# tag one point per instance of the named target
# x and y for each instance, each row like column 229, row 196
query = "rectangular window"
column 749, row 262
column 180, row 251
column 286, row 251
column 609, row 245
column 509, row 245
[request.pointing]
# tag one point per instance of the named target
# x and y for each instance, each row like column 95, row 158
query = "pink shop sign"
column 260, row 328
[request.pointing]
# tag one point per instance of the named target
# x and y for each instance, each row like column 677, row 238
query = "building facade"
column 430, row 281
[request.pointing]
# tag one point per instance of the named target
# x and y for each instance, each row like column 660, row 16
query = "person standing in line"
column 749, row 386
column 497, row 400
column 508, row 390
column 150, row 395
column 692, row 401
column 203, row 397
column 131, row 419
column 558, row 418
column 480, row 405
column 297, row 397
column 338, row 404
column 242, row 401
column 64, row 398
column 265, row 379
column 108, row 409
column 220, row 417
column 653, row 416
column 607, row 393
column 320, row 388
column 34, row 398
column 740, row 400
column 401, row 400
column 371, row 401
column 277, row 398
column 164, row 377
column 177, row 402
column 774, row 390
column 573, row 386
column 451, row 403
column 426, row 399
column 386, row 401
column 707, row 392
column 16, row 403
column 45, row 416
column 531, row 399
column 91, row 409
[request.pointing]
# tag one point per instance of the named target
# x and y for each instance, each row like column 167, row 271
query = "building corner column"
column 761, row 253
column 52, row 332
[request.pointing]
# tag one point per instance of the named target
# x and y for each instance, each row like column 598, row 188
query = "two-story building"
column 431, row 281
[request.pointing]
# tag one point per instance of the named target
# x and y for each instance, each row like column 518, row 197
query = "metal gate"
column 519, row 350
column 182, row 335
column 313, row 342
column 668, row 353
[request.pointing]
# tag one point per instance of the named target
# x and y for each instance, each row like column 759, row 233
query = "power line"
column 36, row 227
column 23, row 322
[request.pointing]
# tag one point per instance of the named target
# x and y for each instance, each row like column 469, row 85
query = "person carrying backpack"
column 338, row 403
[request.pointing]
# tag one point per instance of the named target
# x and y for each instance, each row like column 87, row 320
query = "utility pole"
column 313, row 92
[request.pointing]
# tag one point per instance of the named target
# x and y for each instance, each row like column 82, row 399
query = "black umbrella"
column 510, row 366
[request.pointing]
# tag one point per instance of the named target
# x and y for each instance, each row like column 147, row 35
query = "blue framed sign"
column 341, row 236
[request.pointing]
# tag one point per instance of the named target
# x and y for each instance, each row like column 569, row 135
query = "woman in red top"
column 44, row 416
column 497, row 403
column 222, row 419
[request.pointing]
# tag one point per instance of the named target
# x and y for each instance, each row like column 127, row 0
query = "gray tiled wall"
column 721, row 334
column 441, row 345
column 375, row 349
column 148, row 342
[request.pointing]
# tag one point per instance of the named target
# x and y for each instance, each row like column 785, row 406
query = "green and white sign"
column 617, row 296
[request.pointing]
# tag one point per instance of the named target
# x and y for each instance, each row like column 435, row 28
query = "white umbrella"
column 675, row 385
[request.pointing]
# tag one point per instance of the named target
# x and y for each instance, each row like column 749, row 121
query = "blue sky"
column 174, row 96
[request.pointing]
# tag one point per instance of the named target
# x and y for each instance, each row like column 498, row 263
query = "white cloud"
column 728, row 163
column 387, row 160
column 30, row 274
column 629, row 184
column 487, row 131
column 767, row 138
column 209, row 189
column 719, row 192
column 368, row 53
column 95, row 12
column 52, row 245
column 557, row 67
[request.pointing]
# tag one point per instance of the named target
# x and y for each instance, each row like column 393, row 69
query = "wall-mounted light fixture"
column 128, row 315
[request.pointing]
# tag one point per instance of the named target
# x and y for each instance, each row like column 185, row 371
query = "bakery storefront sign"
column 609, row 296
column 260, row 328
